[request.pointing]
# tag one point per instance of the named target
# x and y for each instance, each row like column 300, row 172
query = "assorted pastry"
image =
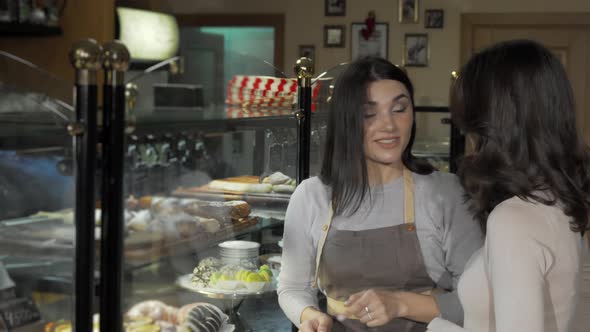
column 280, row 182
column 181, row 217
column 157, row 316
column 65, row 325
column 153, row 315
column 149, row 220
column 212, row 273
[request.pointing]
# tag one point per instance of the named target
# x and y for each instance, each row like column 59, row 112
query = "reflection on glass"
column 36, row 192
column 433, row 133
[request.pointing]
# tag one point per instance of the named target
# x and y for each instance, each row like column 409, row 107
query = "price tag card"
column 18, row 312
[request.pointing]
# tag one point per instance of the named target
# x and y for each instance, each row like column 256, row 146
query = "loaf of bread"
column 283, row 188
column 216, row 210
column 245, row 187
column 187, row 228
column 145, row 202
column 201, row 317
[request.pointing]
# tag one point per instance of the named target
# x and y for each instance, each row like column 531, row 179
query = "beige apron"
column 385, row 258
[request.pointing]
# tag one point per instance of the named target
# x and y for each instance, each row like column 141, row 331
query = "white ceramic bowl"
column 240, row 245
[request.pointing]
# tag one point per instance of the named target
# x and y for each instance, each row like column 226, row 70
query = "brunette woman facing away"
column 528, row 180
column 379, row 229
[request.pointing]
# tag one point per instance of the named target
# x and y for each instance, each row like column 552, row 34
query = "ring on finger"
column 368, row 313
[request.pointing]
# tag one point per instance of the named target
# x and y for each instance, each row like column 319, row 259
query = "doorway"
column 567, row 35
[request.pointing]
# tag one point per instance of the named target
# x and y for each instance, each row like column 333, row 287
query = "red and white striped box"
column 263, row 95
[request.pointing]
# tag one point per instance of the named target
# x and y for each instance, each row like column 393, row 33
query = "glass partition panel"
column 209, row 171
column 36, row 197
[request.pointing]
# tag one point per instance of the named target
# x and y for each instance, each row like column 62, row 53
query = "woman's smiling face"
column 388, row 119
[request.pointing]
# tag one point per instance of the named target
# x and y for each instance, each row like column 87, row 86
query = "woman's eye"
column 369, row 115
column 399, row 109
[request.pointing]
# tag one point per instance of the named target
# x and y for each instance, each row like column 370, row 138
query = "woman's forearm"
column 418, row 307
column 309, row 313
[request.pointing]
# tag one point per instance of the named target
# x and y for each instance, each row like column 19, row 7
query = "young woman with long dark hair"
column 528, row 178
column 381, row 233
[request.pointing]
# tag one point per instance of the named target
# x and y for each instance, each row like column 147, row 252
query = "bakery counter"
column 261, row 220
column 45, row 264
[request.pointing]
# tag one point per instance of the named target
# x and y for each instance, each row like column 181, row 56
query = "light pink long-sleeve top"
column 527, row 276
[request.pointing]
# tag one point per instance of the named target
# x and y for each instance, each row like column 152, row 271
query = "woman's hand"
column 378, row 307
column 313, row 320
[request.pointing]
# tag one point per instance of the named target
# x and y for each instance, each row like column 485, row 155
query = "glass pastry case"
column 206, row 173
column 206, row 183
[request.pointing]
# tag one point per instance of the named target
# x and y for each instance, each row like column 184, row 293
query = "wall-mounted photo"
column 369, row 43
column 434, row 18
column 416, row 52
column 334, row 35
column 307, row 51
column 408, row 11
column 335, row 7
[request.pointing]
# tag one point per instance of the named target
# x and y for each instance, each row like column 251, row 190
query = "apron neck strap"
column 408, row 196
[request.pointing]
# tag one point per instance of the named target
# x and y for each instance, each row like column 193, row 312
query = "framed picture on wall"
column 364, row 44
column 416, row 51
column 335, row 7
column 334, row 35
column 408, row 11
column 307, row 51
column 434, row 18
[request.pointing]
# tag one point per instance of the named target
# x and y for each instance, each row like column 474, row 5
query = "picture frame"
column 376, row 45
column 307, row 51
column 416, row 50
column 434, row 18
column 335, row 7
column 408, row 11
column 334, row 35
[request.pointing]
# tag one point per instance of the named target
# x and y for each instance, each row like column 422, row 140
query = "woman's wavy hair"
column 344, row 167
column 515, row 101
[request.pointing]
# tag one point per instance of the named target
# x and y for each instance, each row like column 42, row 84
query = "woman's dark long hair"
column 344, row 167
column 515, row 100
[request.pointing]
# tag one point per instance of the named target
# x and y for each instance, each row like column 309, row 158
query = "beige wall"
column 305, row 20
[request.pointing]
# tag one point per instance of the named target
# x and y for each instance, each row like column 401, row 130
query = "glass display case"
column 434, row 134
column 206, row 184
column 207, row 173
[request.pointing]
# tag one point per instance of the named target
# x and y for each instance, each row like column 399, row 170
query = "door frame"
column 277, row 21
column 469, row 21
